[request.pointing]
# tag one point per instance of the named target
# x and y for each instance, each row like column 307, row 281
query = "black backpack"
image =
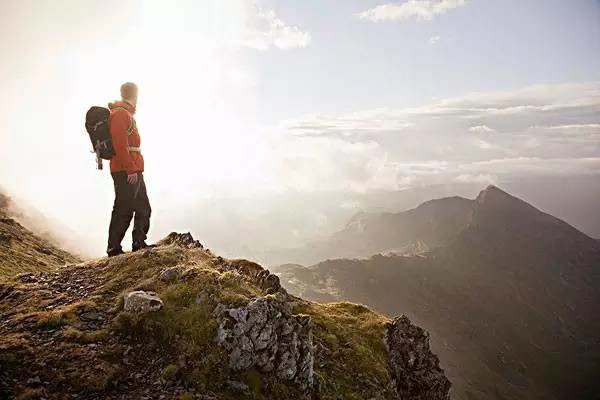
column 96, row 124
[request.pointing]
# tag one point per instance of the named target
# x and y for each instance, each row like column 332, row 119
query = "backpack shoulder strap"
column 131, row 120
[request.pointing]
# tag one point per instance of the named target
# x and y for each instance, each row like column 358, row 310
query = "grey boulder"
column 140, row 301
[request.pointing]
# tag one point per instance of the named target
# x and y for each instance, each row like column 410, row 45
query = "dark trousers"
column 130, row 200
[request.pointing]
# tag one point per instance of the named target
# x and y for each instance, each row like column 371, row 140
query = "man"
column 127, row 167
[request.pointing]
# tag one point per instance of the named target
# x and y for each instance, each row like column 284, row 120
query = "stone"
column 415, row 370
column 265, row 335
column 91, row 316
column 253, row 273
column 141, row 302
column 268, row 282
column 172, row 273
column 238, row 386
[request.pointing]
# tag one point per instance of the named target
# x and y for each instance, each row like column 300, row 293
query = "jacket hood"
column 121, row 104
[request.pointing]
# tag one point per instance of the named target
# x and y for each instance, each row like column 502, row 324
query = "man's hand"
column 132, row 179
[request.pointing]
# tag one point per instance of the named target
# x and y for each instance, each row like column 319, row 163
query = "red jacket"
column 124, row 134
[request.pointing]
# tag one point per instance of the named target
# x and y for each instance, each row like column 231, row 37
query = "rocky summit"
column 178, row 322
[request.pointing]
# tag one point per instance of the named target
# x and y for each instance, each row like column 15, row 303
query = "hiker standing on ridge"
column 126, row 168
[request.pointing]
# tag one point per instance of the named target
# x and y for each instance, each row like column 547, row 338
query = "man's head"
column 129, row 92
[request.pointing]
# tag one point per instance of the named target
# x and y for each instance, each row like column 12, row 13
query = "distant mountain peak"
column 493, row 192
column 496, row 199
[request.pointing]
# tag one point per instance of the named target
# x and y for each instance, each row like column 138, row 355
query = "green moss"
column 182, row 327
column 78, row 336
column 254, row 381
column 352, row 337
column 169, row 372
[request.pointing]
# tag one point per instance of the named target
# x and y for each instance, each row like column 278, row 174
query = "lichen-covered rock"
column 415, row 370
column 265, row 335
column 181, row 239
column 142, row 302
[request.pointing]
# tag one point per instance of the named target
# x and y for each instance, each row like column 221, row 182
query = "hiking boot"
column 116, row 252
column 141, row 246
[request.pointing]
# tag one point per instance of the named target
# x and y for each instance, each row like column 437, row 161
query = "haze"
column 269, row 123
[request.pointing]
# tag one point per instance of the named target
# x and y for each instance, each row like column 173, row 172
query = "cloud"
column 434, row 40
column 480, row 129
column 420, row 10
column 542, row 130
column 478, row 178
column 266, row 30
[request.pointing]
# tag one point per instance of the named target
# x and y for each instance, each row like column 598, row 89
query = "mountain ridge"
column 512, row 284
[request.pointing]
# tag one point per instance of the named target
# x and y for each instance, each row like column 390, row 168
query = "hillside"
column 510, row 294
column 423, row 228
column 178, row 322
column 23, row 251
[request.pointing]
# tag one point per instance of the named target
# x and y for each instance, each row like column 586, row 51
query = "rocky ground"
column 177, row 322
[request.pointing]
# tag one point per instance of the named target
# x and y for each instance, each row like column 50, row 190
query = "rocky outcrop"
column 415, row 370
column 253, row 273
column 181, row 239
column 142, row 302
column 265, row 335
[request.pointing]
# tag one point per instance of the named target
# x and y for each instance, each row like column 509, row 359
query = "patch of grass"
column 130, row 270
column 254, row 381
column 234, row 290
column 352, row 338
column 31, row 394
column 14, row 351
column 169, row 372
column 50, row 320
column 62, row 316
column 82, row 337
column 182, row 327
column 21, row 251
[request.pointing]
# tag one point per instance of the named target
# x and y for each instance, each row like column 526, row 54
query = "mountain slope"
column 510, row 298
column 178, row 322
column 427, row 226
column 23, row 251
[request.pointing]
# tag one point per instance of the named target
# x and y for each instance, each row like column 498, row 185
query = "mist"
column 239, row 152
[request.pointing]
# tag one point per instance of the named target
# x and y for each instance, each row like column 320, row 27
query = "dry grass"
column 31, row 394
column 348, row 337
column 22, row 251
column 351, row 335
column 84, row 337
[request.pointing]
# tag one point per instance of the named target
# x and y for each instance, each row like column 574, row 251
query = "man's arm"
column 118, row 130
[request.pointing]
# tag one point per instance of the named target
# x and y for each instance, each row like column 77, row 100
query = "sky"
column 250, row 99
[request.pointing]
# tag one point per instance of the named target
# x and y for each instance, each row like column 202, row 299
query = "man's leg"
column 122, row 212
column 141, row 223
